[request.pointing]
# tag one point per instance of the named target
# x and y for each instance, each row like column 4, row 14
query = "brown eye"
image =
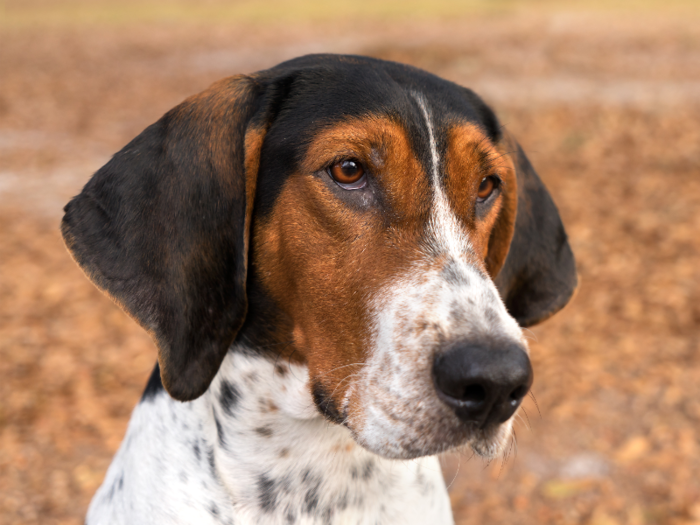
column 346, row 171
column 487, row 187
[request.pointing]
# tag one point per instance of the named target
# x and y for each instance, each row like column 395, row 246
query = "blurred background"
column 603, row 96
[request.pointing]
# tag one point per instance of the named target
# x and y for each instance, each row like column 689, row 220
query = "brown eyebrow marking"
column 470, row 157
column 384, row 145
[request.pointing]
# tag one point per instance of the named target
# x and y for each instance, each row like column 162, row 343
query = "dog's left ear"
column 538, row 276
column 163, row 227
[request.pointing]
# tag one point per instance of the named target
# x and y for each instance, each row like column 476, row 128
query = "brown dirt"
column 607, row 108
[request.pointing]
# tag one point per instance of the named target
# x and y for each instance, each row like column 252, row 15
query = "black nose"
column 483, row 384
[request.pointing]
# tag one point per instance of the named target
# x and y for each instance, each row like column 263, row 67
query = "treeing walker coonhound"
column 335, row 258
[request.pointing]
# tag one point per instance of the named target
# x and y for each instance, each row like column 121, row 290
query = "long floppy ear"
column 539, row 276
column 163, row 228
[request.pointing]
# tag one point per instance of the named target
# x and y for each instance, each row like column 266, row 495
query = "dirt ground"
column 607, row 106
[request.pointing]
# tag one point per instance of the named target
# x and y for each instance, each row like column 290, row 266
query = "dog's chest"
column 254, row 450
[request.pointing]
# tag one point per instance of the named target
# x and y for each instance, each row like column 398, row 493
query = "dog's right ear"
column 163, row 227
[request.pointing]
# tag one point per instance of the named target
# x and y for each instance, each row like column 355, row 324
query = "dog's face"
column 362, row 217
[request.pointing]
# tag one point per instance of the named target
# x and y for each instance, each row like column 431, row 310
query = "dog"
column 335, row 258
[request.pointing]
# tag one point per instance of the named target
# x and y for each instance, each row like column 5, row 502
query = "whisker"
column 344, row 379
column 343, row 366
column 459, row 464
column 519, row 418
column 289, row 362
column 532, row 395
column 534, row 336
column 279, row 355
column 462, row 451
column 529, row 427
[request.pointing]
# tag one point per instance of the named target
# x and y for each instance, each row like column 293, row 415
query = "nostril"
column 517, row 394
column 474, row 394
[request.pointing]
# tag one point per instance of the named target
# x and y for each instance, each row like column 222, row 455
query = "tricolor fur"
column 317, row 335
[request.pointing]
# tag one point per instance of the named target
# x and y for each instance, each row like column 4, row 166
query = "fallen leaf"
column 560, row 489
column 632, row 449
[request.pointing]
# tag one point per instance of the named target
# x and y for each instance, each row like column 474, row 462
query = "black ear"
column 539, row 276
column 163, row 228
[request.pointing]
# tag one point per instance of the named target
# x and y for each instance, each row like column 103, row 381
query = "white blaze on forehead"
column 443, row 298
column 444, row 227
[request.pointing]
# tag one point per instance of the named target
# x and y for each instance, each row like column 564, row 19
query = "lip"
column 492, row 445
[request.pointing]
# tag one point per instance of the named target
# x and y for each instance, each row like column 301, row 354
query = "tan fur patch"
column 321, row 260
column 470, row 157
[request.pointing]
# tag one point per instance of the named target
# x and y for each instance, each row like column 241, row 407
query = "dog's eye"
column 348, row 173
column 487, row 187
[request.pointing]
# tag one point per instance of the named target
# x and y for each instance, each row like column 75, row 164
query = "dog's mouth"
column 493, row 442
column 421, row 425
column 486, row 443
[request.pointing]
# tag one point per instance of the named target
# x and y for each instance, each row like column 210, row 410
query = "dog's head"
column 366, row 218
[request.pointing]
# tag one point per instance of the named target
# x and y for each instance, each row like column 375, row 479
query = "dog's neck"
column 254, row 449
